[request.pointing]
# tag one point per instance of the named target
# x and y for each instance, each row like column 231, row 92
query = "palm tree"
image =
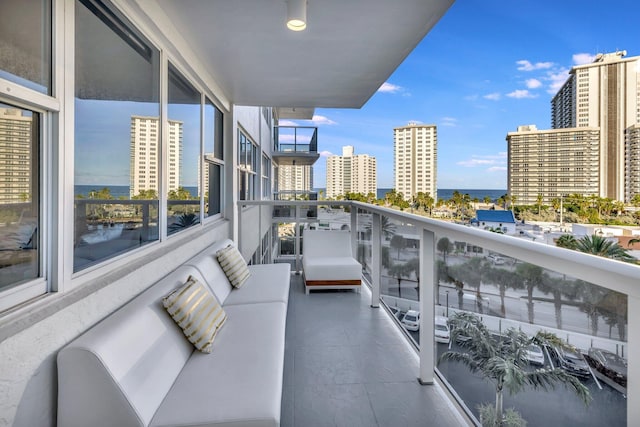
column 503, row 361
column 387, row 226
column 445, row 246
column 539, row 200
column 567, row 241
column 398, row 242
column 398, row 271
column 531, row 276
column 601, row 246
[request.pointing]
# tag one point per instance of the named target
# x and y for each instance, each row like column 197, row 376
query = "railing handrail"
column 610, row 274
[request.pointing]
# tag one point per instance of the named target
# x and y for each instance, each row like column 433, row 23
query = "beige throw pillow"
column 194, row 308
column 233, row 265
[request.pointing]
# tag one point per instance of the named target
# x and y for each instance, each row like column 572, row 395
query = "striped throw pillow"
column 194, row 308
column 233, row 265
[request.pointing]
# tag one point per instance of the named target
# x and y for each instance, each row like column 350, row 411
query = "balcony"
column 587, row 301
column 295, row 145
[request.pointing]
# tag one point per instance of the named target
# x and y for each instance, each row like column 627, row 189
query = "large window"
column 266, row 177
column 25, row 43
column 19, row 196
column 183, row 153
column 213, row 164
column 247, row 166
column 117, row 136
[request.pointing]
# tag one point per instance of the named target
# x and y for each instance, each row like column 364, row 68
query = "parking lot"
column 559, row 406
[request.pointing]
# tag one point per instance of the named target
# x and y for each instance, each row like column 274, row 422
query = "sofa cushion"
column 127, row 362
column 332, row 268
column 196, row 311
column 233, row 265
column 267, row 283
column 240, row 383
column 327, row 243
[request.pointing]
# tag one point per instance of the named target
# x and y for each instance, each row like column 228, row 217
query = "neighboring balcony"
column 295, row 145
column 436, row 268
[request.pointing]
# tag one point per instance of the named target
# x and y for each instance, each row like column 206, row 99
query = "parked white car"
column 411, row 320
column 535, row 356
column 441, row 330
column 497, row 260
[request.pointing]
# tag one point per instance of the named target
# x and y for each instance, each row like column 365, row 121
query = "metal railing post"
column 297, row 234
column 633, row 368
column 354, row 231
column 426, row 296
column 376, row 256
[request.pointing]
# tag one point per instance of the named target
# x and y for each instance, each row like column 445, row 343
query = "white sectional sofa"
column 328, row 261
column 136, row 368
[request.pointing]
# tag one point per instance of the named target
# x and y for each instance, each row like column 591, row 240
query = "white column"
column 297, row 234
column 633, row 368
column 376, row 256
column 354, row 231
column 427, row 280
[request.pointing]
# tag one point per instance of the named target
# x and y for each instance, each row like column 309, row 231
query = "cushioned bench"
column 136, row 368
column 328, row 262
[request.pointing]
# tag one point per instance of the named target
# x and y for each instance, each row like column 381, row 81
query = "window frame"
column 247, row 166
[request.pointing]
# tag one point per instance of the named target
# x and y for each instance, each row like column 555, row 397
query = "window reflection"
column 19, row 195
column 25, row 43
column 213, row 158
column 117, row 136
column 183, row 153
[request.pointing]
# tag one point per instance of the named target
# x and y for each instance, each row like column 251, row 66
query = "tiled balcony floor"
column 347, row 364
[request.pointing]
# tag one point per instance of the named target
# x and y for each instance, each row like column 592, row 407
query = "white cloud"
column 557, row 79
column 389, row 88
column 583, row 58
column 494, row 160
column 287, row 123
column 492, row 96
column 521, row 93
column 497, row 169
column 533, row 83
column 471, row 98
column 322, row 120
column 449, row 121
column 525, row 65
column 326, row 153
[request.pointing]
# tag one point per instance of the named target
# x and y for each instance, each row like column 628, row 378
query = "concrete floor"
column 347, row 364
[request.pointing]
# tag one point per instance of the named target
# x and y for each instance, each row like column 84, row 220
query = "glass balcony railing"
column 295, row 145
column 302, row 139
column 575, row 312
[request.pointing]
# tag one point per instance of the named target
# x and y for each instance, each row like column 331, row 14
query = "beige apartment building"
column 552, row 163
column 415, row 159
column 145, row 154
column 351, row 173
column 604, row 94
column 298, row 178
column 632, row 158
column 18, row 134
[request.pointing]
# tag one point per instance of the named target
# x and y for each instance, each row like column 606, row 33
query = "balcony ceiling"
column 350, row 47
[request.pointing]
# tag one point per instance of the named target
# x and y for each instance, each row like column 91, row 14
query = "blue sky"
column 487, row 67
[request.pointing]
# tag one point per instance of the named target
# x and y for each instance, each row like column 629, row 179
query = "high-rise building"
column 16, row 143
column 604, row 94
column 552, row 163
column 351, row 173
column 145, row 154
column 415, row 159
column 632, row 158
column 295, row 178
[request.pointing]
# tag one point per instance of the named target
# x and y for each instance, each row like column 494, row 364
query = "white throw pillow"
column 194, row 308
column 233, row 265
